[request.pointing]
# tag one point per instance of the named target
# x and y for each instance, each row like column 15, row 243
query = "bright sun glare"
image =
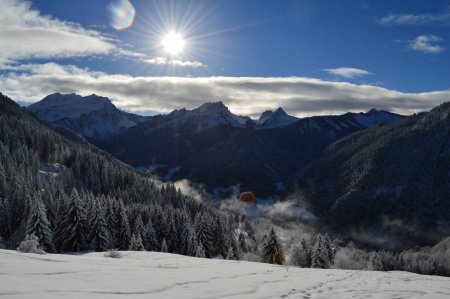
column 173, row 43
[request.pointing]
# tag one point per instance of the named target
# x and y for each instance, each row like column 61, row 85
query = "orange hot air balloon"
column 248, row 198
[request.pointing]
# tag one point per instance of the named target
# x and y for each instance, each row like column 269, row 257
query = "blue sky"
column 347, row 55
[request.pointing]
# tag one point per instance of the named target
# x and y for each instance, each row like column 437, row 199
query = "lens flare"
column 121, row 14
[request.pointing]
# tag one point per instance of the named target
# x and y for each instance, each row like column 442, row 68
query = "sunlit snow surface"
column 159, row 275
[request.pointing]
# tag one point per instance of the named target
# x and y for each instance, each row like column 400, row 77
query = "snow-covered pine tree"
column 272, row 251
column 138, row 225
column 192, row 245
column 301, row 255
column 329, row 247
column 100, row 239
column 58, row 229
column 3, row 183
column 319, row 254
column 5, row 219
column 111, row 220
column 122, row 227
column 89, row 208
column 38, row 224
column 374, row 262
column 136, row 243
column 164, row 246
column 47, row 194
column 200, row 251
column 19, row 196
column 203, row 233
column 230, row 254
column 158, row 222
column 263, row 239
column 171, row 233
column 74, row 225
column 150, row 242
column 219, row 241
column 182, row 224
column 235, row 247
column 249, row 229
column 242, row 243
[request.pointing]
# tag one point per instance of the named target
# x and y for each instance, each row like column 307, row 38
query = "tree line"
column 73, row 197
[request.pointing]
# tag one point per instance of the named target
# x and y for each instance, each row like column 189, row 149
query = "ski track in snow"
column 162, row 275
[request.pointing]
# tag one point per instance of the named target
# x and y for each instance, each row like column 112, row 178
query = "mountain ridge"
column 212, row 146
column 386, row 175
column 91, row 116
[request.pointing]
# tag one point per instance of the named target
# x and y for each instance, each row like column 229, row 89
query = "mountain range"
column 372, row 175
column 208, row 145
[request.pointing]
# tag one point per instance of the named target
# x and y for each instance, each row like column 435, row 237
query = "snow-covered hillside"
column 162, row 275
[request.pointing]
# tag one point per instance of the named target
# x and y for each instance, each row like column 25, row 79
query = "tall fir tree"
column 138, row 225
column 74, row 225
column 329, row 248
column 164, row 246
column 301, row 255
column 122, row 227
column 100, row 239
column 192, row 243
column 200, row 251
column 136, row 243
column 230, row 254
column 39, row 225
column 242, row 243
column 272, row 251
column 319, row 254
column 58, row 229
column 203, row 233
column 150, row 241
column 5, row 219
column 111, row 220
column 219, row 240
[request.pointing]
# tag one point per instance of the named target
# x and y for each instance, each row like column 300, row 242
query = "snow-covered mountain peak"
column 211, row 107
column 374, row 116
column 60, row 106
column 266, row 114
column 280, row 111
column 205, row 116
column 279, row 118
column 373, row 110
column 91, row 116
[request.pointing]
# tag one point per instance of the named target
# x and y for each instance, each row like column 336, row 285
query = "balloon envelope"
column 247, row 198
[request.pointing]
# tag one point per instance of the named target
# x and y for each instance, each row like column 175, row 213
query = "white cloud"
column 427, row 44
column 418, row 19
column 244, row 95
column 26, row 33
column 347, row 72
column 176, row 62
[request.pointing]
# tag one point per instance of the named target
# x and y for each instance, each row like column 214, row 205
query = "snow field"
column 163, row 275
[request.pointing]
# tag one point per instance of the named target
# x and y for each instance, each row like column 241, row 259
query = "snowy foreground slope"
column 162, row 275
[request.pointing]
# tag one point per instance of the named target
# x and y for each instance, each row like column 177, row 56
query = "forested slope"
column 74, row 197
column 394, row 177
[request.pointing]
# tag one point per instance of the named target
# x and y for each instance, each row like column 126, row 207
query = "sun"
column 173, row 43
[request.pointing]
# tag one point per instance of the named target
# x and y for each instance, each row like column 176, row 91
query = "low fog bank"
column 293, row 220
